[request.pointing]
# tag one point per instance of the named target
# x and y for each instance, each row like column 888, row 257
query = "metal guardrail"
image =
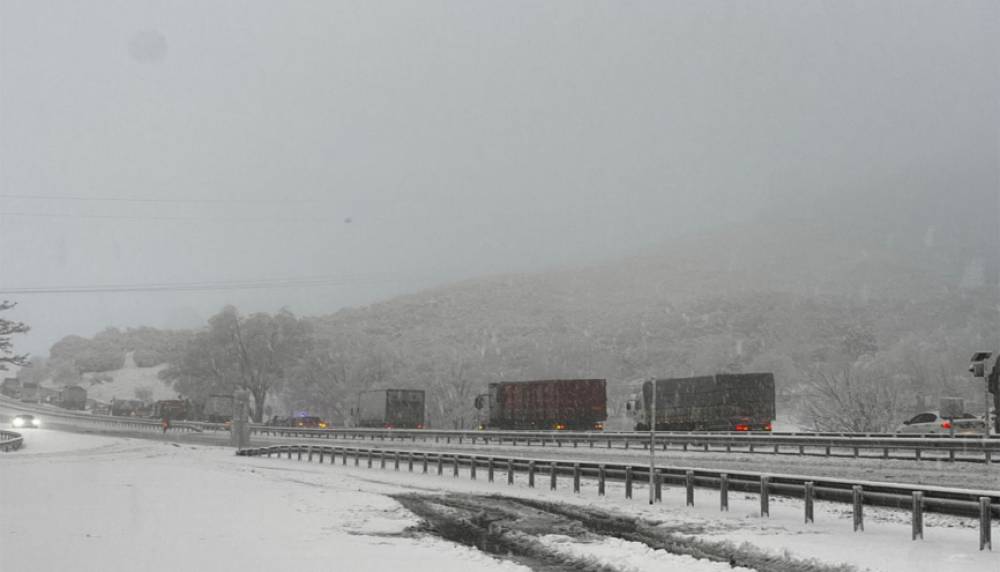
column 10, row 441
column 883, row 447
column 103, row 420
column 874, row 446
column 983, row 505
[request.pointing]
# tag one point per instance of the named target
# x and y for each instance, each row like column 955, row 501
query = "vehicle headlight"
column 36, row 422
column 18, row 422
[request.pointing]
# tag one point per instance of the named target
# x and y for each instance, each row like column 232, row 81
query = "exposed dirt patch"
column 510, row 527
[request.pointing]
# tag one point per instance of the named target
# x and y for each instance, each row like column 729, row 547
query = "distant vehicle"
column 30, row 392
column 218, row 408
column 558, row 404
column 173, row 409
column 932, row 422
column 129, row 408
column 25, row 422
column 72, row 397
column 308, row 422
column 391, row 409
column 722, row 402
column 11, row 387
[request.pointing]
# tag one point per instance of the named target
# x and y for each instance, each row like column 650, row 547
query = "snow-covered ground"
column 112, row 503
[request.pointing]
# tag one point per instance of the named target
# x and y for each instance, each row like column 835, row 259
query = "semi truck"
column 173, row 409
column 390, row 409
column 30, row 392
column 72, row 397
column 548, row 404
column 218, row 408
column 721, row 402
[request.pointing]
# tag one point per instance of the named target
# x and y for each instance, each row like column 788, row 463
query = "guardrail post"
column 989, row 458
column 396, row 461
column 918, row 515
column 531, row 474
column 510, row 471
column 765, row 499
column 489, row 470
column 689, row 487
column 858, row 497
column 807, row 494
column 658, row 482
column 917, row 451
column 310, row 453
column 552, row 476
column 343, row 457
column 289, row 451
column 885, row 452
column 472, row 468
column 440, row 464
column 455, row 462
column 628, row 482
column 626, row 443
column 724, row 492
column 425, row 463
column 985, row 533
column 856, row 452
column 576, row 477
column 951, row 456
column 601, row 477
column 609, row 443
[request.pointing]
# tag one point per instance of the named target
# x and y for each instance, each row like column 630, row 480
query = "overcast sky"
column 389, row 146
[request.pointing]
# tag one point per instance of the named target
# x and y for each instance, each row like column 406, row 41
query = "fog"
column 376, row 149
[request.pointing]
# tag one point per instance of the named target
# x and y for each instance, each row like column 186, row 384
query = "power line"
column 150, row 199
column 164, row 218
column 294, row 282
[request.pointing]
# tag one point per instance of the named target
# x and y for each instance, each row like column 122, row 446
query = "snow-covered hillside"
column 123, row 383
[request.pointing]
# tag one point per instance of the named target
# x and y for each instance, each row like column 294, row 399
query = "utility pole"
column 978, row 371
column 652, row 441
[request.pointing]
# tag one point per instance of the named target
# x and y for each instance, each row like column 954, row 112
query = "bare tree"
column 858, row 398
column 7, row 329
column 254, row 353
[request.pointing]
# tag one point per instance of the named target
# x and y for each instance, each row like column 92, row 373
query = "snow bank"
column 629, row 556
column 130, row 504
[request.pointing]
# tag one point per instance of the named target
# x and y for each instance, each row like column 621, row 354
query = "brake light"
column 598, row 426
column 420, row 425
column 946, row 424
column 742, row 427
column 768, row 426
column 559, row 426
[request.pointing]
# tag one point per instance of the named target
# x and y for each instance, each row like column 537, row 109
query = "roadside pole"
column 652, row 441
column 239, row 431
column 986, row 404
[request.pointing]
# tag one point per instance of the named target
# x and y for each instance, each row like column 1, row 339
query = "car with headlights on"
column 25, row 421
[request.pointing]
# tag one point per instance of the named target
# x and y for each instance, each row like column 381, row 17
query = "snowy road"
column 114, row 503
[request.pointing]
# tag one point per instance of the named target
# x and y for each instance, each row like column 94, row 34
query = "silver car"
column 931, row 422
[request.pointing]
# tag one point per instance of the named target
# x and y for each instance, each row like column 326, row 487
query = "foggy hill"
column 801, row 258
